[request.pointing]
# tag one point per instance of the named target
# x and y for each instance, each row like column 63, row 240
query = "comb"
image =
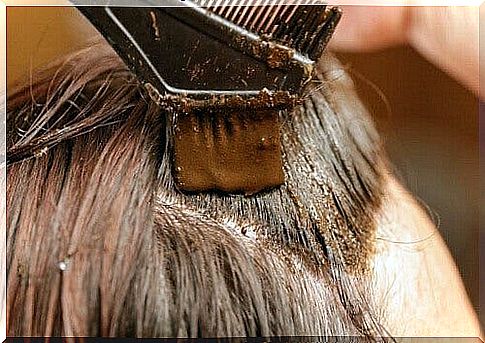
column 224, row 69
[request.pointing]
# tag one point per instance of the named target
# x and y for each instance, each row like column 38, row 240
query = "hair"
column 100, row 241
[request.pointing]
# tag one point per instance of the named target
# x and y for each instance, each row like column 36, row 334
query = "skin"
column 447, row 36
column 419, row 282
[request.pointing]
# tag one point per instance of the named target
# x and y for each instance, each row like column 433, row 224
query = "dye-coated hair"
column 100, row 242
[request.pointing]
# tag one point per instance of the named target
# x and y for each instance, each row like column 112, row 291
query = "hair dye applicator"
column 223, row 70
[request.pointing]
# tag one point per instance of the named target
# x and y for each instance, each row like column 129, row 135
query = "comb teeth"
column 305, row 26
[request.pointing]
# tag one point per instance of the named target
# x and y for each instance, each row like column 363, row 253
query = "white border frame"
column 3, row 88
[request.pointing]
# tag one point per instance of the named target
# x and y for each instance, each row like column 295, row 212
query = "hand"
column 447, row 36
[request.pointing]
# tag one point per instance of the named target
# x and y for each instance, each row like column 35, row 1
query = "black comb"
column 212, row 58
column 184, row 50
column 304, row 28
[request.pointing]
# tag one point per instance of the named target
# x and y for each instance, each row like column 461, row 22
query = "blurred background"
column 428, row 121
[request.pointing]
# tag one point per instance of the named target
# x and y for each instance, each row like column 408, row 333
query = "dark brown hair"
column 100, row 242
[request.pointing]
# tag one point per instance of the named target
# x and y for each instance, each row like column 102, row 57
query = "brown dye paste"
column 229, row 151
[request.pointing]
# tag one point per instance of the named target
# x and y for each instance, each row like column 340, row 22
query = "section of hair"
column 332, row 161
column 85, row 205
column 101, row 243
